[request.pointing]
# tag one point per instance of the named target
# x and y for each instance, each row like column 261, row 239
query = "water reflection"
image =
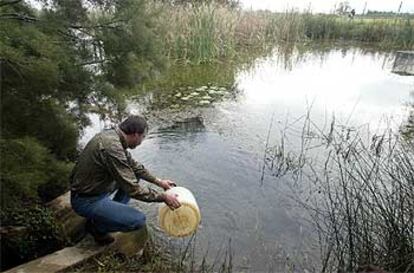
column 220, row 159
column 355, row 87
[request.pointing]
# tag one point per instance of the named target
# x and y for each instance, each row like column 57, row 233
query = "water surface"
column 221, row 160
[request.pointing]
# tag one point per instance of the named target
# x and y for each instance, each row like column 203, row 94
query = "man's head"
column 135, row 129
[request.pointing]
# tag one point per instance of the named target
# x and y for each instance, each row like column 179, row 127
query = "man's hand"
column 172, row 201
column 165, row 184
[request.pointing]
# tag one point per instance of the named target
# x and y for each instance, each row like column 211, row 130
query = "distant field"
column 387, row 20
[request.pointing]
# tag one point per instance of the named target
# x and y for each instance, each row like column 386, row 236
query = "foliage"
column 228, row 3
column 343, row 7
column 209, row 32
column 56, row 64
column 26, row 166
column 40, row 237
column 387, row 14
column 199, row 34
column 58, row 61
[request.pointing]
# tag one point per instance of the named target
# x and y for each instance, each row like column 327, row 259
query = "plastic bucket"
column 183, row 221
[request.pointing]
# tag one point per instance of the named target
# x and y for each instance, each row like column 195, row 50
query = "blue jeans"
column 109, row 214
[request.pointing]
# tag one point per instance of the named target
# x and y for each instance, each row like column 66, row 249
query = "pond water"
column 219, row 154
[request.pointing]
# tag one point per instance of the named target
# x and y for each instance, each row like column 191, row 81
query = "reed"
column 210, row 32
column 161, row 256
column 359, row 194
column 198, row 34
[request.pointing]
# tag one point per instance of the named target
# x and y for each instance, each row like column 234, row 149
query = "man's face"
column 136, row 140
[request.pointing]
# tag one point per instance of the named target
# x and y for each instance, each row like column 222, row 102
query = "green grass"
column 391, row 33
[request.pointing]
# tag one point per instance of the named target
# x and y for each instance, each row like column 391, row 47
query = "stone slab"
column 72, row 227
column 128, row 243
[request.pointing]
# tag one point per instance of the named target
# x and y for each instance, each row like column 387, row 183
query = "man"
column 106, row 167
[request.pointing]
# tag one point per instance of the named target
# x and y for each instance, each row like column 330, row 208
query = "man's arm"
column 118, row 165
column 124, row 175
column 141, row 172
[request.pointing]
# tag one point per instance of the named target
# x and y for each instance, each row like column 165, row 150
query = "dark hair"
column 134, row 124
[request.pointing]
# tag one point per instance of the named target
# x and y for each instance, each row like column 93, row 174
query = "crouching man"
column 104, row 169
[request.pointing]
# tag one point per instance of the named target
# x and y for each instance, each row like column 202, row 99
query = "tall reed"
column 208, row 32
column 198, row 34
column 359, row 194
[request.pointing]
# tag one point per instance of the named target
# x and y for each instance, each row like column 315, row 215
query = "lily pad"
column 202, row 88
column 204, row 102
column 206, row 97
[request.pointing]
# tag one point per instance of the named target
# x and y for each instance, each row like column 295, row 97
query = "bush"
column 39, row 237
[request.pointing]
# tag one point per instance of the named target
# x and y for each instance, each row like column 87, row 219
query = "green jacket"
column 105, row 165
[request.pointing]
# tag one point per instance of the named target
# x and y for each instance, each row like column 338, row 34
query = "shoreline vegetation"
column 209, row 32
column 358, row 189
column 66, row 59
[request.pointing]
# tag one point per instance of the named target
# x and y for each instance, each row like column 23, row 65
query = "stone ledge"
column 127, row 243
column 72, row 228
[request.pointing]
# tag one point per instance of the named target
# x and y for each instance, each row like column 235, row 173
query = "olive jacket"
column 105, row 165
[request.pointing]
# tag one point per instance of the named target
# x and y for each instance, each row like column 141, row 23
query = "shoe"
column 100, row 238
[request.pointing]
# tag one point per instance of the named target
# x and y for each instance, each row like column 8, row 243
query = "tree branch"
column 17, row 16
column 5, row 2
column 94, row 62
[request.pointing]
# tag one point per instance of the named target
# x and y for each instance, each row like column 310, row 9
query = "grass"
column 209, row 32
column 160, row 257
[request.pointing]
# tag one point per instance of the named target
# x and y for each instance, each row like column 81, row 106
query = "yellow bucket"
column 183, row 221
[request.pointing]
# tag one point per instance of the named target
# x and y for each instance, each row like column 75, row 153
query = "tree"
column 229, row 3
column 343, row 8
column 56, row 61
column 55, row 64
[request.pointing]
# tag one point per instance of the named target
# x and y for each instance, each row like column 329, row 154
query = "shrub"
column 27, row 165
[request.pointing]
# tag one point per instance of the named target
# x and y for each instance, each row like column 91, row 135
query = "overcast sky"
column 328, row 5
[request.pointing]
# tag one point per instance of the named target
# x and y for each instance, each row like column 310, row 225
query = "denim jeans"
column 109, row 214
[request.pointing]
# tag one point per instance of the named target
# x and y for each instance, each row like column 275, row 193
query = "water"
column 221, row 160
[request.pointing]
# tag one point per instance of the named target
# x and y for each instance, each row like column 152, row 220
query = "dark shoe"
column 100, row 238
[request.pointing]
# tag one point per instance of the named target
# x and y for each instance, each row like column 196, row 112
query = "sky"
column 327, row 6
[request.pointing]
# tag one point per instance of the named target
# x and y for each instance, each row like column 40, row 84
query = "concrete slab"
column 128, row 243
column 72, row 227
